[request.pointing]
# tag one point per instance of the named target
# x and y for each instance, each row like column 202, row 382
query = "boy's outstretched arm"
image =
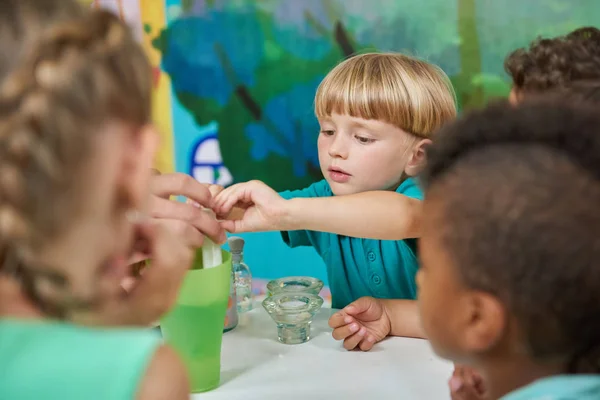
column 375, row 215
column 379, row 215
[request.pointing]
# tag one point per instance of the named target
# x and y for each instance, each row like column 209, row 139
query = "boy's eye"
column 364, row 140
column 327, row 132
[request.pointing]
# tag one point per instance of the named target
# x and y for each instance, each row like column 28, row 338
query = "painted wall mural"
column 235, row 79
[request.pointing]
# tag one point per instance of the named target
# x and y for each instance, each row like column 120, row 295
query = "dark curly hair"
column 588, row 91
column 556, row 62
column 519, row 191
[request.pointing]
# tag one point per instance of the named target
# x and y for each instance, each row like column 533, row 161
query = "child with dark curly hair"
column 509, row 282
column 553, row 63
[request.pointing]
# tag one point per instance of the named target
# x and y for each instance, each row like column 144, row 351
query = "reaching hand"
column 262, row 209
column 467, row 384
column 361, row 324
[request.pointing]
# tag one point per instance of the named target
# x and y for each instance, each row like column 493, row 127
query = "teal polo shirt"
column 358, row 267
column 560, row 387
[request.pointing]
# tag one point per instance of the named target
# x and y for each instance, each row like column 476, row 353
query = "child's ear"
column 486, row 322
column 515, row 96
column 137, row 164
column 418, row 158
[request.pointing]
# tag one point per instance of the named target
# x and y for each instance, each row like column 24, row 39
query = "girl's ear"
column 137, row 166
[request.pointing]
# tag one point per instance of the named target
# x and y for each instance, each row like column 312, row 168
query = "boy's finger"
column 367, row 343
column 340, row 319
column 359, row 306
column 345, row 331
column 231, row 201
column 352, row 341
column 222, row 197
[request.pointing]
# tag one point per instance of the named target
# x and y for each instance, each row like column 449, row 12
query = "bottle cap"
column 236, row 244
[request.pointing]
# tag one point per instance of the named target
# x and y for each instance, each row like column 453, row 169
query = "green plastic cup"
column 194, row 327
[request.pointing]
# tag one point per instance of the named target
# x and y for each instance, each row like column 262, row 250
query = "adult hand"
column 153, row 293
column 185, row 220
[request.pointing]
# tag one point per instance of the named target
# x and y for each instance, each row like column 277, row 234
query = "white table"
column 256, row 366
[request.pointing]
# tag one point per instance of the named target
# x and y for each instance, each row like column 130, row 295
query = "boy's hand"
column 262, row 208
column 466, row 384
column 361, row 324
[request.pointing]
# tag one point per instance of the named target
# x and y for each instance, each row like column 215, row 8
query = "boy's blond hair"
column 404, row 91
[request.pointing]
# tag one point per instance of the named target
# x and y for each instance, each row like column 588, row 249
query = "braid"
column 23, row 21
column 80, row 75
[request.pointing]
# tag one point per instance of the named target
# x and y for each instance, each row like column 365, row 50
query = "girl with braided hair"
column 76, row 149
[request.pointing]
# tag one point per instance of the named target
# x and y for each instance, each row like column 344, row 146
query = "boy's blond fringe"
column 404, row 91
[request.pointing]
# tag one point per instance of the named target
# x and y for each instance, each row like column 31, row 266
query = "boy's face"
column 358, row 155
column 461, row 323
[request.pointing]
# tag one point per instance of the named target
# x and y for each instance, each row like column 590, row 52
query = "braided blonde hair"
column 81, row 75
column 23, row 21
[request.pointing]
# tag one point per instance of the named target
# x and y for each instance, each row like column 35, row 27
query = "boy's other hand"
column 361, row 324
column 261, row 208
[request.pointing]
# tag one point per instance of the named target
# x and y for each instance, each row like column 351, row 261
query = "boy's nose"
column 338, row 148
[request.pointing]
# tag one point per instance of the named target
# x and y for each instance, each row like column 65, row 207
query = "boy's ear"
column 418, row 158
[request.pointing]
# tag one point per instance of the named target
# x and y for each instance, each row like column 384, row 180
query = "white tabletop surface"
column 256, row 366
